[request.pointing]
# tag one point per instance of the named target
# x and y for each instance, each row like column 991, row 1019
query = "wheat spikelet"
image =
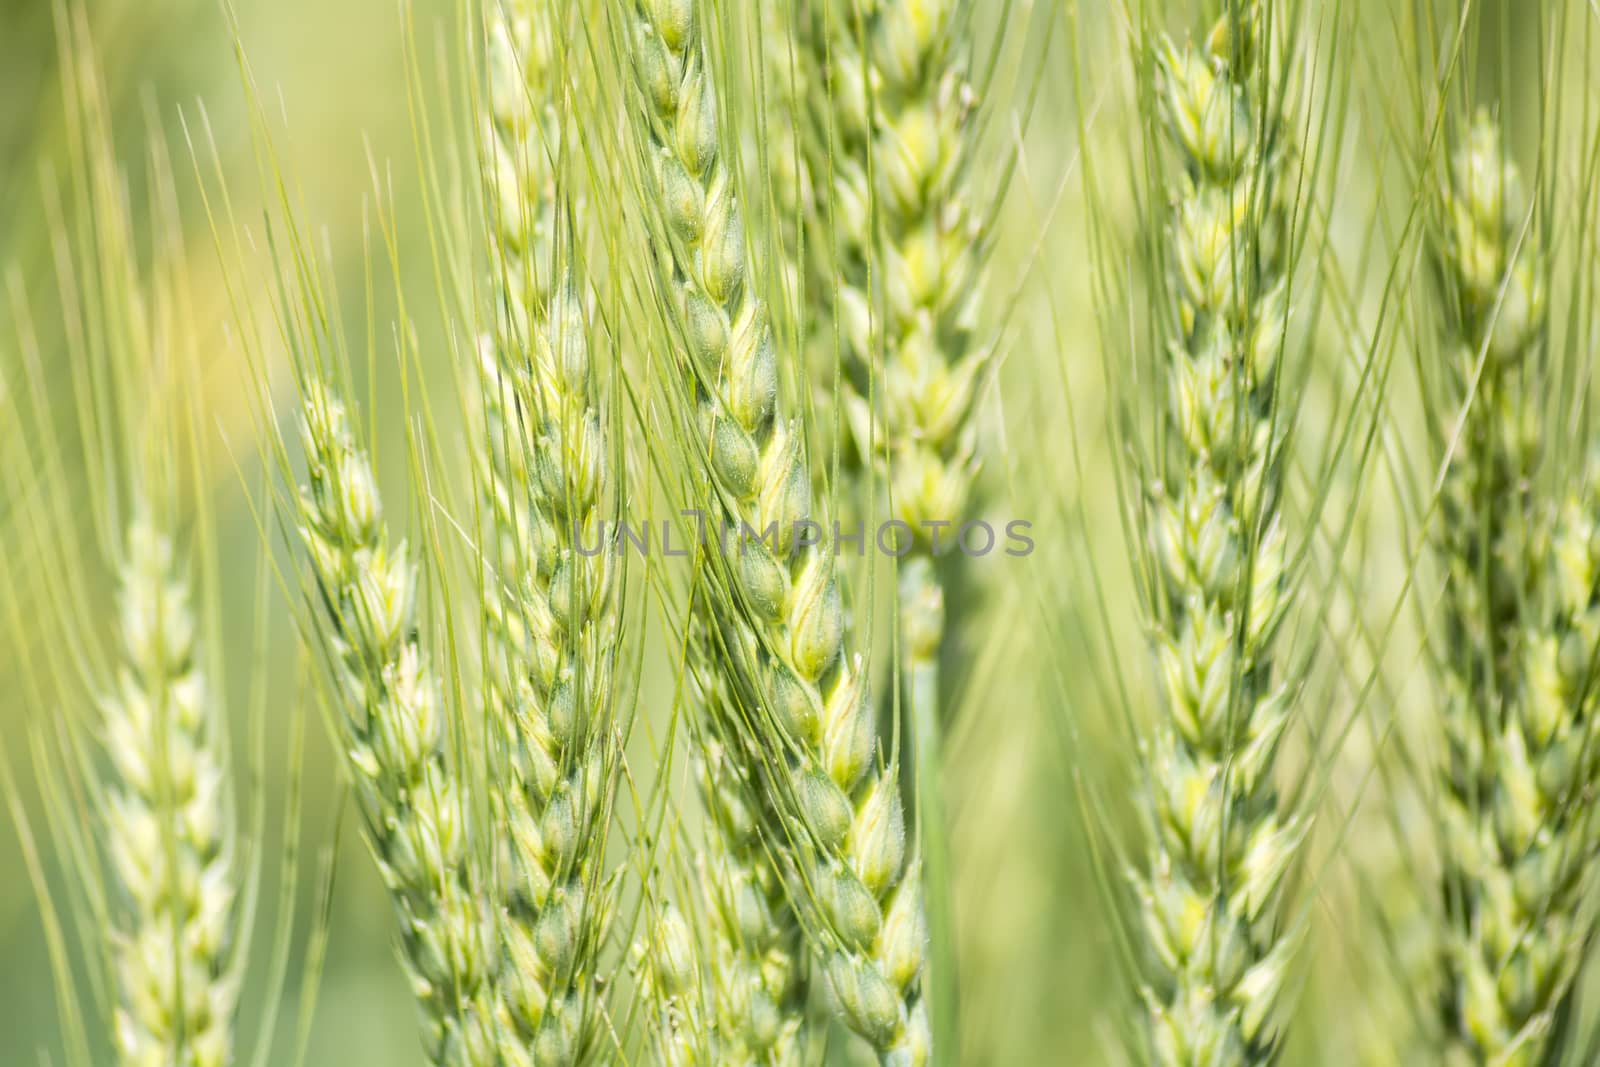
column 392, row 725
column 550, row 609
column 1522, row 628
column 668, row 967
column 169, row 826
column 783, row 640
column 1221, row 846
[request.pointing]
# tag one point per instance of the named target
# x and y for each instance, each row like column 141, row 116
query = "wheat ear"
column 550, row 609
column 784, row 642
column 1520, row 641
column 758, row 985
column 1483, row 207
column 392, row 726
column 169, row 826
column 1221, row 847
column 905, row 272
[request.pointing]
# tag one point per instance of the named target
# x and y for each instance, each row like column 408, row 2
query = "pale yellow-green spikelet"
column 550, row 611
column 901, row 120
column 520, row 147
column 393, row 728
column 1216, row 945
column 169, row 825
column 784, row 634
column 670, row 976
column 1520, row 642
column 757, row 994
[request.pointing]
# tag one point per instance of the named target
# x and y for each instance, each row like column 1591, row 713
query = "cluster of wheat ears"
column 736, row 265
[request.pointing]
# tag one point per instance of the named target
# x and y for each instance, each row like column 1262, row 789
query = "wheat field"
column 810, row 532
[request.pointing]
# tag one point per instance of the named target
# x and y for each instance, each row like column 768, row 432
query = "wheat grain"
column 550, row 610
column 805, row 712
column 169, row 826
column 1221, row 847
column 392, row 726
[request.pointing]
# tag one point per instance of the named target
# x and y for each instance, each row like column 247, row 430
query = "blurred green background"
column 1035, row 753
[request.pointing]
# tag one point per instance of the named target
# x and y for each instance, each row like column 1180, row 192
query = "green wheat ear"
column 393, row 729
column 551, row 611
column 758, row 980
column 1222, row 848
column 901, row 277
column 169, row 825
column 802, row 727
column 1520, row 641
column 667, row 964
column 897, row 137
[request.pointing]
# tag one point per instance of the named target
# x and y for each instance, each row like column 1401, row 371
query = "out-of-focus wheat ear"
column 901, row 274
column 550, row 603
column 780, row 146
column 1531, row 865
column 799, row 694
column 1522, row 626
column 1221, row 849
column 169, row 827
column 1483, row 207
column 392, row 725
column 670, row 976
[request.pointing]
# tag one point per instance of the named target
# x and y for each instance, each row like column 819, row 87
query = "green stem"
column 922, row 636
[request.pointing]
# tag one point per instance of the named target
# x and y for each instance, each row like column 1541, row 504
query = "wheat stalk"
column 1221, row 847
column 1521, row 632
column 392, row 726
column 783, row 637
column 550, row 618
column 169, row 826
